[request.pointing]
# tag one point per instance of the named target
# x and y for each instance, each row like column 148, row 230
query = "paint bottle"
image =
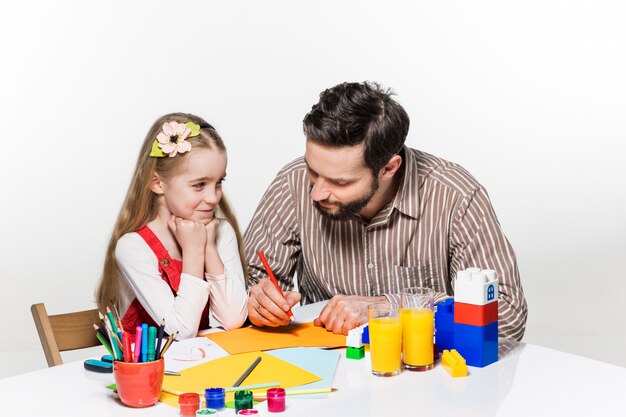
column 215, row 398
column 243, row 400
column 189, row 403
column 276, row 400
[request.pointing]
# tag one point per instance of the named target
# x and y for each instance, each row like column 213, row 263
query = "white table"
column 528, row 380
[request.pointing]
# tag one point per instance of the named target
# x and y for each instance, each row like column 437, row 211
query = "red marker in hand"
column 273, row 279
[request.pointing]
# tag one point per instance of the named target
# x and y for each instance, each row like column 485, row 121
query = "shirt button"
column 370, row 265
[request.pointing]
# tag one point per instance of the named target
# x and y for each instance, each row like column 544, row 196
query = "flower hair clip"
column 172, row 140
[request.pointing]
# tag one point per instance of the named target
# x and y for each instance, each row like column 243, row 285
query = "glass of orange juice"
column 417, row 328
column 385, row 330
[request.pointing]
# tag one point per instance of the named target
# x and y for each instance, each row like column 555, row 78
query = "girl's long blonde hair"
column 140, row 206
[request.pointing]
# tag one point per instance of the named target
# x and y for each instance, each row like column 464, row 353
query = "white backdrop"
column 529, row 96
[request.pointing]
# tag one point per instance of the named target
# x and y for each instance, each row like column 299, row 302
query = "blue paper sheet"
column 320, row 362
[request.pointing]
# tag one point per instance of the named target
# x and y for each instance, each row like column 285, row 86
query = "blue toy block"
column 444, row 325
column 444, row 340
column 444, row 316
column 365, row 337
column 477, row 344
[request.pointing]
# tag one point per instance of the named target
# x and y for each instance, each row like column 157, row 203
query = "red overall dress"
column 170, row 270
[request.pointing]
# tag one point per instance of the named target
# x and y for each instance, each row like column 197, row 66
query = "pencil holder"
column 139, row 384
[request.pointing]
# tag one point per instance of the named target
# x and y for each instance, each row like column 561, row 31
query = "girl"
column 170, row 257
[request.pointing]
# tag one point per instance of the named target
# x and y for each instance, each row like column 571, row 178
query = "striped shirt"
column 439, row 222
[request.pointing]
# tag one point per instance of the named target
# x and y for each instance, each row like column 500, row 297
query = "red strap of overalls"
column 170, row 268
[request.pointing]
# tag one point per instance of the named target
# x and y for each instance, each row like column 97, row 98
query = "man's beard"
column 348, row 210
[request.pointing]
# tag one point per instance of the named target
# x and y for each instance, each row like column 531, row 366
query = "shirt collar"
column 407, row 196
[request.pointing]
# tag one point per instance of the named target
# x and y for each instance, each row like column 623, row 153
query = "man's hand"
column 267, row 307
column 345, row 312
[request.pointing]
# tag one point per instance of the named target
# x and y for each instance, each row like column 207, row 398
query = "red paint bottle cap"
column 248, row 412
column 189, row 403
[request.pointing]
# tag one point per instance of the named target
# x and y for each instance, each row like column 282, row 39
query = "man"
column 362, row 216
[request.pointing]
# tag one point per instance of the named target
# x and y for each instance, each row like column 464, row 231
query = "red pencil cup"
column 139, row 384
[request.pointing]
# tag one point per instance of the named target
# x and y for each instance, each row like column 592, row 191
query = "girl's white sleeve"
column 229, row 299
column 139, row 268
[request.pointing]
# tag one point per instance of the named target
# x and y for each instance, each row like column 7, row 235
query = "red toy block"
column 475, row 315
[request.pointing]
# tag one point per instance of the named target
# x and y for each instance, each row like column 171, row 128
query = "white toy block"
column 354, row 338
column 478, row 288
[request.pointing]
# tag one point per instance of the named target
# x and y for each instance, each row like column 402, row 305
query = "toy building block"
column 478, row 288
column 444, row 324
column 477, row 344
column 354, row 338
column 355, row 353
column 476, row 315
column 444, row 315
column 366, row 335
column 454, row 363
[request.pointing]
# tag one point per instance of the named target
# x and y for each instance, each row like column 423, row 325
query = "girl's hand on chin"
column 190, row 235
column 211, row 232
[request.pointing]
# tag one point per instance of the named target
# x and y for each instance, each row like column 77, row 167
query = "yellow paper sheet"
column 223, row 373
column 265, row 338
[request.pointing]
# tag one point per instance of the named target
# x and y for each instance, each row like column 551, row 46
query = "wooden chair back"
column 62, row 332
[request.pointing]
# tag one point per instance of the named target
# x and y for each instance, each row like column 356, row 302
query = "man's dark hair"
column 351, row 113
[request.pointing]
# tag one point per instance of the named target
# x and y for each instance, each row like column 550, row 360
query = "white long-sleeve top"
column 139, row 267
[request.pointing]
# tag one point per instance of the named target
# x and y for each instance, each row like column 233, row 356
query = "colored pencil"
column 160, row 339
column 117, row 352
column 113, row 336
column 112, row 321
column 104, row 323
column 247, row 372
column 104, row 343
column 273, row 279
column 116, row 314
column 168, row 344
column 101, row 333
column 301, row 392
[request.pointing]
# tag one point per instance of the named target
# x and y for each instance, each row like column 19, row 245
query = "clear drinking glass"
column 417, row 328
column 385, row 331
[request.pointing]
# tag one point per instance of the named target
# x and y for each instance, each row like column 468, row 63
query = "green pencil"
column 105, row 344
